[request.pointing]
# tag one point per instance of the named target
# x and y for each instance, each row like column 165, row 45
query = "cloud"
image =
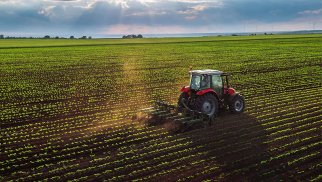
column 311, row 12
column 99, row 14
column 111, row 16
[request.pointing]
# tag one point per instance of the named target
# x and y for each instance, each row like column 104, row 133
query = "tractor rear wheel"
column 182, row 99
column 237, row 104
column 207, row 104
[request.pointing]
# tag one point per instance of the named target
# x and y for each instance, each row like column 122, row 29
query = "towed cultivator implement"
column 173, row 118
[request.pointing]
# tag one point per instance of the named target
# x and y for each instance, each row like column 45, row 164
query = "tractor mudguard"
column 185, row 89
column 230, row 91
column 231, row 97
column 209, row 90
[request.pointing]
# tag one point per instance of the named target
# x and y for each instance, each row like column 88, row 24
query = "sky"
column 99, row 18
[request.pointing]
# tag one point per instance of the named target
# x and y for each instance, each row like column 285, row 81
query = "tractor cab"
column 208, row 91
column 209, row 79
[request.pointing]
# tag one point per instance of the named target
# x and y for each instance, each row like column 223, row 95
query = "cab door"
column 217, row 84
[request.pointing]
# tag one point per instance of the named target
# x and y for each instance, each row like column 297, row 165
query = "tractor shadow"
column 234, row 142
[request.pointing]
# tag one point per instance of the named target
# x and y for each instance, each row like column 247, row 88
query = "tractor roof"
column 208, row 72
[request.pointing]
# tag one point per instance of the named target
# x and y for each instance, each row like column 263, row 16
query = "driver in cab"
column 204, row 82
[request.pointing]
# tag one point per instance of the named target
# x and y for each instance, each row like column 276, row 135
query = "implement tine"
column 164, row 105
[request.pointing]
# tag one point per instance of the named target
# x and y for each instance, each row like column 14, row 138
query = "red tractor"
column 209, row 91
column 199, row 103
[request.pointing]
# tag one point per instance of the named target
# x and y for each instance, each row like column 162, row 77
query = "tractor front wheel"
column 237, row 104
column 207, row 104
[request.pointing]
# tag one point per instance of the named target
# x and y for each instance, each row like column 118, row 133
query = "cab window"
column 217, row 83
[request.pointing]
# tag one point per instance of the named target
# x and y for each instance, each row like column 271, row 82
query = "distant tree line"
column 45, row 37
column 252, row 34
column 71, row 37
column 132, row 36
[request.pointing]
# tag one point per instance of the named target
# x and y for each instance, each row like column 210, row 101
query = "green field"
column 66, row 109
